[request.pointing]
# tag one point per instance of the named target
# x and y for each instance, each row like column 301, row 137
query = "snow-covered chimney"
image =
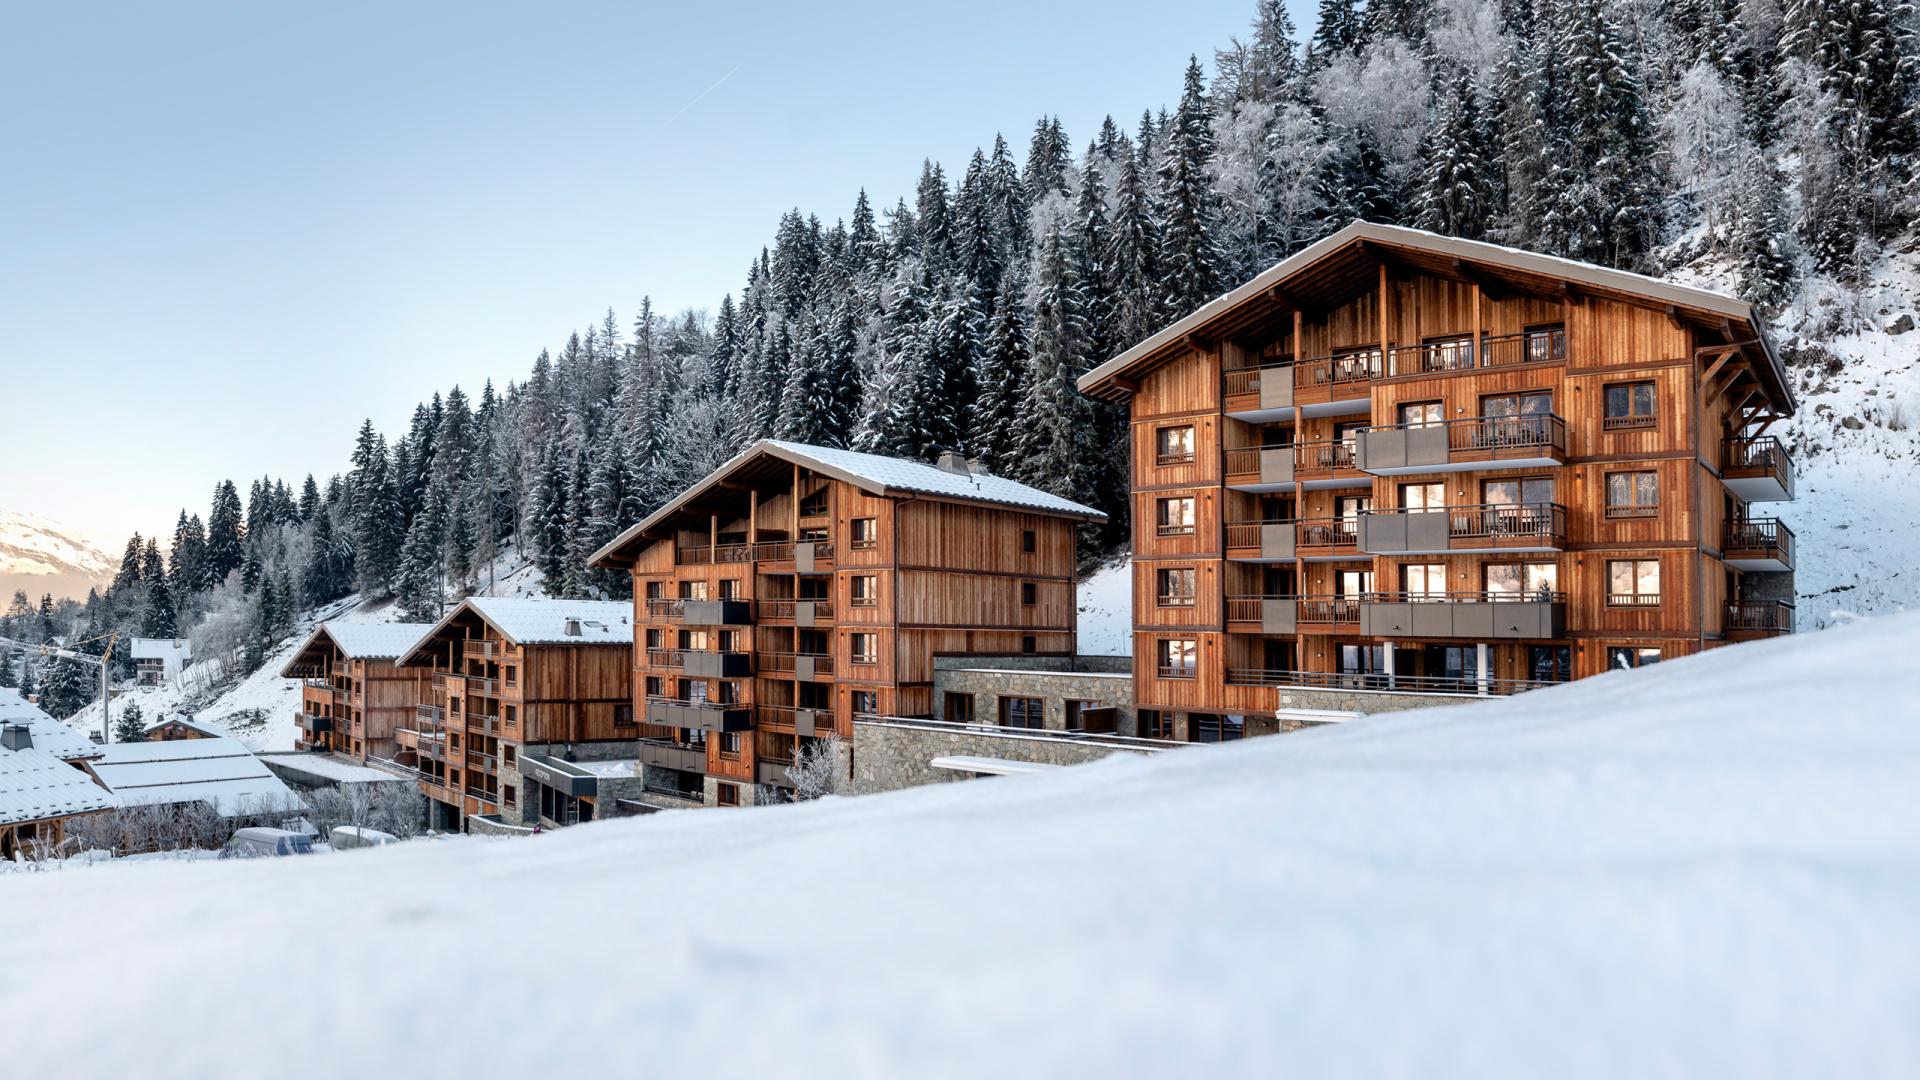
column 573, row 627
column 954, row 462
column 16, row 737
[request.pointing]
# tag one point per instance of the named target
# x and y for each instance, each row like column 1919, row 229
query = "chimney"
column 954, row 462
column 573, row 627
column 16, row 737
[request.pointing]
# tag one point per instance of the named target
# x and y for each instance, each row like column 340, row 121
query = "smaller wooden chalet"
column 517, row 696
column 62, row 740
column 179, row 726
column 354, row 698
column 158, row 661
column 40, row 792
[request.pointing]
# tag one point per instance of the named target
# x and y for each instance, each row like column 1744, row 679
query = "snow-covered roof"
column 321, row 767
column 874, row 473
column 161, row 648
column 357, row 639
column 531, row 621
column 36, row 785
column 183, row 721
column 60, row 740
column 1462, row 252
column 219, row 771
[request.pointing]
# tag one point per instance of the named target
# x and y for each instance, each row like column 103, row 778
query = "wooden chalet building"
column 1398, row 461
column 46, row 777
column 797, row 587
column 354, row 698
column 516, row 692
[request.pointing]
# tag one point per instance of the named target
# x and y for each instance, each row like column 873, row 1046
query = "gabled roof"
column 526, row 621
column 356, row 640
column 59, row 739
column 1286, row 284
column 184, row 721
column 872, row 473
column 219, row 771
column 37, row 786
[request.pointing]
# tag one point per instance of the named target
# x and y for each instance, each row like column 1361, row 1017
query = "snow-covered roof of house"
column 161, row 648
column 530, row 621
column 321, row 768
column 219, row 771
column 35, row 785
column 356, row 640
column 184, row 721
column 873, row 473
column 1469, row 260
column 59, row 739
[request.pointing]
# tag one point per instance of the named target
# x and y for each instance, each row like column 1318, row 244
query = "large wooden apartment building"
column 353, row 698
column 797, row 587
column 515, row 692
column 1402, row 461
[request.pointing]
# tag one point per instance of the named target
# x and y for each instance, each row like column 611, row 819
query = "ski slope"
column 1706, row 868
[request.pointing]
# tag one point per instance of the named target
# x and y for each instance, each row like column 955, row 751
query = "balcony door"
column 1352, row 584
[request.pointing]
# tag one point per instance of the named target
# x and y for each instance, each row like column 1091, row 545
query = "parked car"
column 345, row 837
column 257, row 842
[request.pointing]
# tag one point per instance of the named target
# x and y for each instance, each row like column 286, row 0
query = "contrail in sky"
column 703, row 93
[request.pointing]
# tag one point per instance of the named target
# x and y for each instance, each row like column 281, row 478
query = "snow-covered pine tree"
column 1133, row 259
column 1189, row 261
column 225, row 534
column 1057, row 436
column 1457, row 194
column 1004, row 361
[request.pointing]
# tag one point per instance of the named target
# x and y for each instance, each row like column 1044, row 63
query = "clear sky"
column 230, row 231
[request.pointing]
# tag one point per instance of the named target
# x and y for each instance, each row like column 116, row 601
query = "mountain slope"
column 1705, row 868
column 42, row 556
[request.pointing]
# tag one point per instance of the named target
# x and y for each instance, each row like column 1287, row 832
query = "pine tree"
column 1056, row 423
column 131, row 726
column 1188, row 259
column 226, row 535
column 67, row 686
column 995, row 423
column 160, row 620
column 379, row 527
column 1133, row 260
column 1456, row 195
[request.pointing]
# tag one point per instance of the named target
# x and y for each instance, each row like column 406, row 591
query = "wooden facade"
column 487, row 696
column 353, row 702
column 780, row 597
column 1403, row 462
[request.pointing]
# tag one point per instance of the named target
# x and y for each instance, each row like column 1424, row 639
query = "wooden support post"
column 1479, row 331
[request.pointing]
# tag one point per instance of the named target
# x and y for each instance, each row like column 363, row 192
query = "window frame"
column 1632, row 419
column 1164, row 598
column 1029, row 594
column 1029, row 541
column 1164, row 457
column 1636, row 599
column 1633, row 508
column 1161, row 526
column 872, row 599
column 870, row 541
column 1168, row 665
column 855, row 656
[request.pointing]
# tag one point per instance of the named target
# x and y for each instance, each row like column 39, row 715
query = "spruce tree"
column 1456, row 195
column 1056, row 423
column 996, row 416
column 1189, row 262
column 131, row 726
column 225, row 535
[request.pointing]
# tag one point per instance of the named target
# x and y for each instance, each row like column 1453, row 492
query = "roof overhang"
column 1336, row 267
column 763, row 466
column 308, row 660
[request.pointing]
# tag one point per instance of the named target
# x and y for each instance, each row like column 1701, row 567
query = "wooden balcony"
column 1763, row 545
column 482, row 763
column 1757, row 470
column 668, row 659
column 1747, row 619
column 705, row 715
column 1481, row 616
column 1260, row 541
column 1327, row 464
column 1260, row 468
column 806, row 667
column 1318, row 386
column 804, row 721
column 1327, row 539
column 807, row 556
column 674, row 754
column 702, row 612
column 1381, row 681
column 802, row 612
column 480, row 649
column 1291, row 614
column 709, row 664
column 1488, row 528
column 1496, row 351
column 1476, row 442
column 433, row 715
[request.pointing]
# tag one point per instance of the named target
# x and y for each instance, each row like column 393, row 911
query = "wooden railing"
column 764, row 551
column 666, row 658
column 783, row 609
column 1762, row 455
column 432, row 714
column 483, row 650
column 1316, row 610
column 1497, row 433
column 1461, row 354
column 1360, row 366
column 1326, row 532
column 1378, row 680
column 783, row 661
column 1497, row 521
column 1245, row 460
column 1762, row 616
column 1324, row 456
column 1769, row 535
column 1246, row 534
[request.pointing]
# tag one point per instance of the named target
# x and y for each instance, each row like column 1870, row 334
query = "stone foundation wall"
column 989, row 682
column 890, row 755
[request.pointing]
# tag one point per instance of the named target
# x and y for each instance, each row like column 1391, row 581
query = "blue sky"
column 230, row 231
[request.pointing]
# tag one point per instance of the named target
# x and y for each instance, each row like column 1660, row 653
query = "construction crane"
column 104, row 662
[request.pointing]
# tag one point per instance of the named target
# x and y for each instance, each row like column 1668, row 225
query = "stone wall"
column 1104, row 680
column 1767, row 588
column 892, row 754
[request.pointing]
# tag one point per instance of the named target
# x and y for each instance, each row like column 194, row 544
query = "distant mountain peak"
column 43, row 556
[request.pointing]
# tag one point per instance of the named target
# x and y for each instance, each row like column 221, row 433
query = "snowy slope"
column 1707, row 868
column 1106, row 610
column 42, row 556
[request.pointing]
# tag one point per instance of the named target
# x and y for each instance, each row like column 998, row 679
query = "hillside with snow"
column 43, row 556
column 1706, row 868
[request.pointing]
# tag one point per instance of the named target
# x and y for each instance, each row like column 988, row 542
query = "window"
column 726, row 794
column 655, row 589
column 511, row 754
column 730, row 744
column 656, row 686
column 1023, row 712
column 1352, row 584
column 959, row 708
column 693, row 590
column 1627, row 656
column 654, row 639
column 1633, row 582
column 1633, row 494
column 1527, row 490
column 1174, row 517
column 1550, row 663
column 1629, row 406
column 1029, row 541
column 865, row 533
column 1174, row 588
column 1422, row 413
column 1208, row 728
column 1513, row 581
column 863, row 590
column 1029, row 644
column 730, row 589
column 1155, row 724
column 512, row 715
column 1545, row 343
column 623, row 716
column 511, row 675
column 866, row 648
column 510, row 796
column 1446, row 353
column 815, row 504
column 1423, row 496
column 1029, row 594
column 1424, row 581
column 1173, row 445
column 1179, row 658
column 864, row 702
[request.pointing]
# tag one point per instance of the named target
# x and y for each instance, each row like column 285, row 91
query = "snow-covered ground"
column 1708, row 868
column 1106, row 610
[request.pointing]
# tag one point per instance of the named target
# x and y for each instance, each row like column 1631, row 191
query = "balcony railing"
column 1312, row 533
column 431, row 714
column 773, row 662
column 1351, row 369
column 483, row 687
column 666, row 658
column 1759, row 617
column 1759, row 539
column 1377, row 680
column 1758, row 468
column 786, row 609
column 1460, row 354
column 1316, row 610
column 486, row 763
column 1535, row 524
column 659, row 607
column 1326, row 456
column 1468, row 442
column 317, row 684
column 1483, row 596
column 480, row 650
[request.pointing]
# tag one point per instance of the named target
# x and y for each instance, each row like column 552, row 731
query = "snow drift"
column 1706, row 868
